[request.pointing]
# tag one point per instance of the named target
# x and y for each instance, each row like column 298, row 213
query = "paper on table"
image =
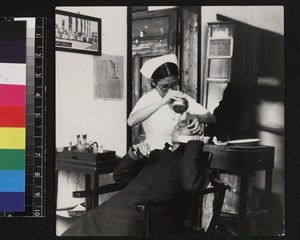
column 240, row 141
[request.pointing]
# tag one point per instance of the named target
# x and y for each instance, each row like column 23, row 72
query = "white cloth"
column 207, row 208
column 185, row 139
column 159, row 126
column 151, row 65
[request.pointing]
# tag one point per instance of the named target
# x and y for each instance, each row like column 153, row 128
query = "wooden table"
column 92, row 165
column 244, row 160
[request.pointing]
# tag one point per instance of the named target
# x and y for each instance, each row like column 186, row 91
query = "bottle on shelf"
column 95, row 147
column 79, row 144
column 90, row 146
column 70, row 146
column 100, row 149
column 85, row 142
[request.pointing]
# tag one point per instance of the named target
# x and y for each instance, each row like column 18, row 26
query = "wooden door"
column 189, row 55
column 153, row 34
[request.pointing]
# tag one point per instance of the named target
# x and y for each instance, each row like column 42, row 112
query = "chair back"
column 201, row 210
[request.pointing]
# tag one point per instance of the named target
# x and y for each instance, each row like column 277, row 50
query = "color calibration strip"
column 12, row 115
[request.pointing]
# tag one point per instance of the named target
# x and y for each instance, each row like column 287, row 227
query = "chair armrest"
column 218, row 182
column 167, row 200
column 113, row 187
column 214, row 188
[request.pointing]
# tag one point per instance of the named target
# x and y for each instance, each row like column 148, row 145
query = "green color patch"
column 12, row 159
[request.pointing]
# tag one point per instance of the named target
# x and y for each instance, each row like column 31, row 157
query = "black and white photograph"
column 154, row 119
column 177, row 128
column 77, row 33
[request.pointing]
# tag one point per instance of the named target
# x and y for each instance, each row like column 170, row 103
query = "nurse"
column 154, row 109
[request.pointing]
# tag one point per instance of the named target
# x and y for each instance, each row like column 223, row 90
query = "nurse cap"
column 151, row 65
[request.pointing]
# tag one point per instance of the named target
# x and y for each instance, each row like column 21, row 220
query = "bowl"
column 205, row 139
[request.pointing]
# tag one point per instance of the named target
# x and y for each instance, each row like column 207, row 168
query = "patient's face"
column 180, row 129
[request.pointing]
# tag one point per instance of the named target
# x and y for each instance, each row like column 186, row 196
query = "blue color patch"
column 12, row 181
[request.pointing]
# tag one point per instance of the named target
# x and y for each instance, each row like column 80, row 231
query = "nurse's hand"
column 194, row 125
column 142, row 149
column 172, row 95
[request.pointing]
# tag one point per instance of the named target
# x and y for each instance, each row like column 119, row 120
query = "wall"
column 270, row 108
column 76, row 110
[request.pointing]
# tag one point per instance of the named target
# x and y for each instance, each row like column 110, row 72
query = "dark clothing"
column 164, row 173
column 235, row 114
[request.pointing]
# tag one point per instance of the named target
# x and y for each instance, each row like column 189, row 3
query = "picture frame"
column 77, row 33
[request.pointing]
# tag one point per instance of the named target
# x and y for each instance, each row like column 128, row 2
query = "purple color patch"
column 12, row 201
column 13, row 52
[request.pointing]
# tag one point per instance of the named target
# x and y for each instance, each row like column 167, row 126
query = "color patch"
column 12, row 138
column 12, row 73
column 12, row 95
column 12, row 181
column 13, row 31
column 11, row 52
column 13, row 42
column 12, row 159
column 12, row 116
column 12, row 201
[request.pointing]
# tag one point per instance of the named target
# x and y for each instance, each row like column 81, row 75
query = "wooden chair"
column 190, row 206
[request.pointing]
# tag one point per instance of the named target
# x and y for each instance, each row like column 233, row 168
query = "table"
column 244, row 160
column 92, row 165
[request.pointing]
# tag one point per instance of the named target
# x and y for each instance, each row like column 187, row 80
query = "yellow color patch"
column 12, row 138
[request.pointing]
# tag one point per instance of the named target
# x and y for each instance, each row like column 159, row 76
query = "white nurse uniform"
column 159, row 126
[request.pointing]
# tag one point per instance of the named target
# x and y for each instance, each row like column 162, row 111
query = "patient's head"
column 181, row 134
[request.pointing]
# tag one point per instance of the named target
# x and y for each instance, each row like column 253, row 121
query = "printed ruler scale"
column 39, row 105
column 35, row 192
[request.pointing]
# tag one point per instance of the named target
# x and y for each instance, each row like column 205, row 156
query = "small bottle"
column 90, row 147
column 95, row 147
column 79, row 144
column 84, row 142
column 70, row 146
column 100, row 149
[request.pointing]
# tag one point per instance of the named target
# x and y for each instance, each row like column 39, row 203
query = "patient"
column 150, row 175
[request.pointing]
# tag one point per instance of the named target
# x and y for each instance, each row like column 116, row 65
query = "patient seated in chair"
column 148, row 175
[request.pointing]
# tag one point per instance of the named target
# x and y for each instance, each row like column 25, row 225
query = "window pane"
column 218, row 68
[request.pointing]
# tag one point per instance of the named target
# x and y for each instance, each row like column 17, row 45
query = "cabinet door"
column 153, row 34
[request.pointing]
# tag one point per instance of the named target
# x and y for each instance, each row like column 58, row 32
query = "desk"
column 92, row 165
column 244, row 160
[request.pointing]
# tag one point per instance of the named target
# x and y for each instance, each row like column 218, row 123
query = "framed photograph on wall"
column 77, row 33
